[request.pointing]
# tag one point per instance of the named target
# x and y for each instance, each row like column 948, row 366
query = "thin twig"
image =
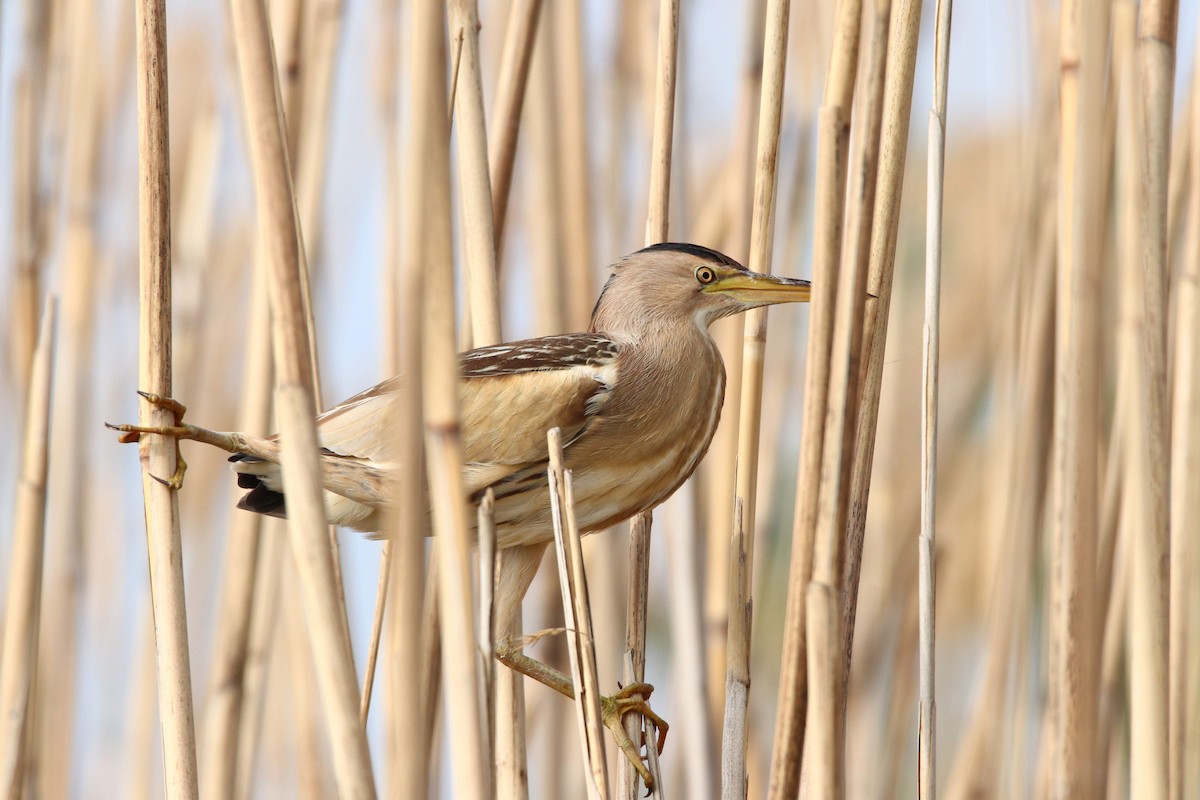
column 381, row 593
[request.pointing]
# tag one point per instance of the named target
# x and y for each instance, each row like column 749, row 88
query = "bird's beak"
column 751, row 287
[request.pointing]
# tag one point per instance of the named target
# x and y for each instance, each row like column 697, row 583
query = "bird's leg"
column 631, row 698
column 129, row 434
column 133, row 433
column 515, row 569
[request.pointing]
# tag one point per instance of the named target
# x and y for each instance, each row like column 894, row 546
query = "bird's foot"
column 633, row 698
column 130, row 434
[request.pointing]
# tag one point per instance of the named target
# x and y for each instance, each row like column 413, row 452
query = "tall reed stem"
column 741, row 556
column 160, row 455
column 927, row 734
column 23, row 603
column 295, row 401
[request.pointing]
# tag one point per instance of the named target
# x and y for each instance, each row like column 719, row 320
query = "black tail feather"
column 261, row 500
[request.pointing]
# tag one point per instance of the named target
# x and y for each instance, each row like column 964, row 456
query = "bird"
column 637, row 399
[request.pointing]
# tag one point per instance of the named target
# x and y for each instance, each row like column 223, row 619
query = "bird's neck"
column 644, row 327
column 675, row 341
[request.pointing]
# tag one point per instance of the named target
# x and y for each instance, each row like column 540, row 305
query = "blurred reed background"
column 493, row 160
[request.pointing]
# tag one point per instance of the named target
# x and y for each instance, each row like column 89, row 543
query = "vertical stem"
column 904, row 31
column 430, row 138
column 68, row 539
column 574, row 171
column 832, row 158
column 410, row 703
column 295, row 401
column 1185, row 496
column 927, row 734
column 223, row 726
column 22, row 615
column 506, row 111
column 160, row 454
column 577, row 614
column 1149, row 600
column 762, row 228
column 476, row 191
column 1075, row 637
column 657, row 223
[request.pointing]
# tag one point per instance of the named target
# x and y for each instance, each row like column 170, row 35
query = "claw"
column 633, row 698
column 129, row 434
column 169, row 403
column 175, row 481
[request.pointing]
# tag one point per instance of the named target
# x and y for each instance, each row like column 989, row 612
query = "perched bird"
column 637, row 399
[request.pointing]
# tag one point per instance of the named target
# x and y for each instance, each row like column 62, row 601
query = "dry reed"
column 295, row 401
column 22, row 608
column 1067, row 475
column 833, row 142
column 160, row 455
column 927, row 733
column 580, row 644
column 741, row 548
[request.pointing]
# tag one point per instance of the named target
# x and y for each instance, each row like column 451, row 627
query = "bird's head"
column 668, row 284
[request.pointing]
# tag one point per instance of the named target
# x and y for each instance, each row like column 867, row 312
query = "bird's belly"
column 605, row 494
column 624, row 463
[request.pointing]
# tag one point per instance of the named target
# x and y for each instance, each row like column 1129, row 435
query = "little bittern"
column 637, row 399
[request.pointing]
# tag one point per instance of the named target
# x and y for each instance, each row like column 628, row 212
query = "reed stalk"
column 295, row 401
column 574, row 173
column 927, row 734
column 264, row 622
column 856, row 264
column 160, row 455
column 865, row 375
column 411, row 705
column 1185, row 502
column 687, row 627
column 1149, row 609
column 657, row 224
column 506, row 109
column 321, row 33
column 440, row 398
column 718, row 473
column 1074, row 630
column 577, row 614
column 29, row 217
column 833, row 141
column 741, row 555
column 78, row 113
column 223, row 726
column 475, row 186
column 22, row 608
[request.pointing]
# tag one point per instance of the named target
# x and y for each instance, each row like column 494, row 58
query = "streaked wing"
column 511, row 395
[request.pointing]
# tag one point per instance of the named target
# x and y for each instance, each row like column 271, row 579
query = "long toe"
column 169, row 403
column 633, row 698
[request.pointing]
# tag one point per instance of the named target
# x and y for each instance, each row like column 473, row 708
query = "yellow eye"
column 705, row 275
